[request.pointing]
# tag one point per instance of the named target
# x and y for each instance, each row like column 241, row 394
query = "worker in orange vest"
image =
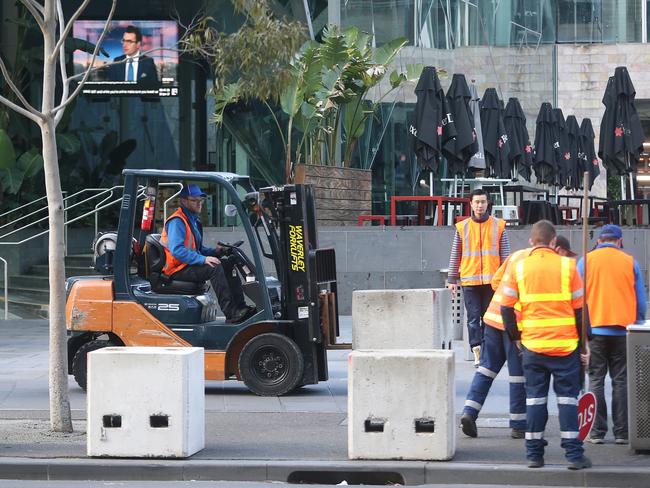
column 497, row 349
column 187, row 259
column 480, row 246
column 549, row 290
column 616, row 298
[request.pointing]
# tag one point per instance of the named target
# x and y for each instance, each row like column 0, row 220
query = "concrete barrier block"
column 401, row 319
column 401, row 405
column 146, row 402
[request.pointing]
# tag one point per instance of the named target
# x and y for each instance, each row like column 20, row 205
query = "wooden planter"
column 342, row 194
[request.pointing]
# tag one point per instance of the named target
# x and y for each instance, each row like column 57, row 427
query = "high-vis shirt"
column 615, row 289
column 484, row 245
column 549, row 289
column 492, row 316
column 182, row 238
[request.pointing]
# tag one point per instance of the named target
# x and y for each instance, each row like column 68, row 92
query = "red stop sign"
column 586, row 414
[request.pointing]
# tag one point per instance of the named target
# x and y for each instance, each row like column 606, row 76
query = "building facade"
column 560, row 51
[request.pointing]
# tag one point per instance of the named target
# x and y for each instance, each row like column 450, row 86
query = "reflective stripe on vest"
column 492, row 316
column 545, row 328
column 479, row 258
column 172, row 265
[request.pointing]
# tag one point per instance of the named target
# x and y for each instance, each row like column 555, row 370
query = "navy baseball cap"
column 611, row 231
column 191, row 190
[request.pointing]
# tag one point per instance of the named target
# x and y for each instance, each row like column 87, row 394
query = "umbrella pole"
column 631, row 186
column 622, row 187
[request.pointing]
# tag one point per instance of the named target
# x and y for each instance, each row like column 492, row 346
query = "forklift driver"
column 187, row 259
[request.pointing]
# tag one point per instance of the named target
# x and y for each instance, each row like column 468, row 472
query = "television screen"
column 142, row 58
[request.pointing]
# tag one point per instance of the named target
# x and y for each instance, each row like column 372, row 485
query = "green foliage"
column 335, row 77
column 255, row 57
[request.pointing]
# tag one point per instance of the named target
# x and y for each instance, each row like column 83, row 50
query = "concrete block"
column 401, row 319
column 401, row 405
column 146, row 402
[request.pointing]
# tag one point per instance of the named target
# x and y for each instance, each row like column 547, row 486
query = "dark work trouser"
column 225, row 283
column 608, row 353
column 497, row 349
column 565, row 370
column 477, row 299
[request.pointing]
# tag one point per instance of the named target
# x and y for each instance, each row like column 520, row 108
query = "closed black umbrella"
column 621, row 134
column 495, row 139
column 560, row 144
column 521, row 151
column 477, row 162
column 432, row 130
column 544, row 163
column 588, row 151
column 461, row 149
column 575, row 166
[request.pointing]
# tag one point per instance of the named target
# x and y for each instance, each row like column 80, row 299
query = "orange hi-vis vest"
column 480, row 256
column 549, row 288
column 611, row 297
column 172, row 265
column 492, row 316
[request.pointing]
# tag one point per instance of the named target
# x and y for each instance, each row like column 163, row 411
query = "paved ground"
column 256, row 438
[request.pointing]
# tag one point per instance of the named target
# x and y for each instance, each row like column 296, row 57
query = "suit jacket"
column 147, row 73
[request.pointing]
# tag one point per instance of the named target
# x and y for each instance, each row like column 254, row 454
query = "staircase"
column 29, row 293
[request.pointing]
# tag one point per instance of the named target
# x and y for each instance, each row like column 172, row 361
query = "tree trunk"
column 60, row 418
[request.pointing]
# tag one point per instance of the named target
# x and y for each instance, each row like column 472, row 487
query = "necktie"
column 129, row 71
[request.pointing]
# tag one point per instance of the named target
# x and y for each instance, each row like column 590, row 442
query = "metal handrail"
column 4, row 261
column 23, row 206
column 104, row 203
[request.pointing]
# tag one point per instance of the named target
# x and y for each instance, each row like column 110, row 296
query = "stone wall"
column 375, row 258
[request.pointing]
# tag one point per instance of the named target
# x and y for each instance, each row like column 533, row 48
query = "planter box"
column 342, row 194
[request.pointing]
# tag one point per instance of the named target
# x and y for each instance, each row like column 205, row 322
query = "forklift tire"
column 80, row 361
column 271, row 364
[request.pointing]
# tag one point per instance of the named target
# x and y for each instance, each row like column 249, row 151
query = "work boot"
column 241, row 314
column 536, row 463
column 582, row 463
column 477, row 355
column 517, row 433
column 621, row 441
column 596, row 440
column 468, row 424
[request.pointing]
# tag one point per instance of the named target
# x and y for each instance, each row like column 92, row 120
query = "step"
column 43, row 270
column 79, row 260
column 28, row 294
column 26, row 305
column 29, row 281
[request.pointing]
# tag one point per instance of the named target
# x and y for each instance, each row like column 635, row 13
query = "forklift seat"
column 161, row 283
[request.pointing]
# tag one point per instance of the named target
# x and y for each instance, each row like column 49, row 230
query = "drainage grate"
column 350, row 477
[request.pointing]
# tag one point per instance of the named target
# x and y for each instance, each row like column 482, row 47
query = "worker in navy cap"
column 187, row 259
column 616, row 298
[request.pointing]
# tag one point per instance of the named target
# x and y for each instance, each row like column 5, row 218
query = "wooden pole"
column 585, row 246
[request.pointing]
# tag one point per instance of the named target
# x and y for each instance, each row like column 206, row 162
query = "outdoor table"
column 517, row 190
column 422, row 203
column 611, row 207
column 566, row 213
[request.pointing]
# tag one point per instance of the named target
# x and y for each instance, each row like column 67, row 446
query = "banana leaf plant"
column 330, row 88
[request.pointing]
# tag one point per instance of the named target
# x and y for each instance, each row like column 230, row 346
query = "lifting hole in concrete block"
column 374, row 425
column 159, row 421
column 112, row 421
column 425, row 426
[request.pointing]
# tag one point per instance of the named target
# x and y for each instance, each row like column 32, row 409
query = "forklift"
column 278, row 349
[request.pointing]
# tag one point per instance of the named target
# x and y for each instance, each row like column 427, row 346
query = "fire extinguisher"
column 149, row 210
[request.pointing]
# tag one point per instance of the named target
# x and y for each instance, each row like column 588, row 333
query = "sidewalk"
column 302, row 437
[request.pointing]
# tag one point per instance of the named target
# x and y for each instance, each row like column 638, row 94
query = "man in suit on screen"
column 133, row 66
